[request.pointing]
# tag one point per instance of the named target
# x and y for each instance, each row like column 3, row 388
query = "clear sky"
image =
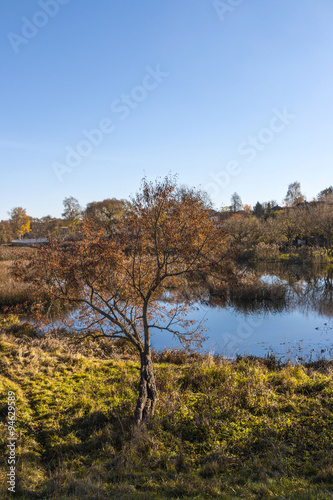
column 233, row 96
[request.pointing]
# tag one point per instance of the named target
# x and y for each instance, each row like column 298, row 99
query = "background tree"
column 268, row 208
column 6, row 232
column 108, row 212
column 272, row 232
column 247, row 209
column 244, row 232
column 225, row 211
column 236, row 203
column 324, row 222
column 19, row 221
column 294, row 195
column 290, row 225
column 326, row 194
column 117, row 280
column 72, row 213
column 46, row 227
column 258, row 209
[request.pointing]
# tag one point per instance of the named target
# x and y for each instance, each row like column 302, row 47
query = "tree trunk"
column 147, row 391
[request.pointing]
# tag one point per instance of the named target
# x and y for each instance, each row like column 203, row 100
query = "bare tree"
column 244, row 232
column 117, row 281
column 236, row 202
column 294, row 194
column 326, row 194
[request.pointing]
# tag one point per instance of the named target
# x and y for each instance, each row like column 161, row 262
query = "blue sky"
column 231, row 99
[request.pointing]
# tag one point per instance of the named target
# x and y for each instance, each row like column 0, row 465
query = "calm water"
column 298, row 324
column 290, row 333
column 292, row 316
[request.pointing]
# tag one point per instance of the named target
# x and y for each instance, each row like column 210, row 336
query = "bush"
column 267, row 251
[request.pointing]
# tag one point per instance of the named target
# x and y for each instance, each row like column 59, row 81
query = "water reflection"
column 281, row 309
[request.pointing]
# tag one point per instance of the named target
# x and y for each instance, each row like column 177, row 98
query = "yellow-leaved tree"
column 19, row 221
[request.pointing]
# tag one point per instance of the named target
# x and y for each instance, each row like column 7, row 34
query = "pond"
column 282, row 310
column 296, row 323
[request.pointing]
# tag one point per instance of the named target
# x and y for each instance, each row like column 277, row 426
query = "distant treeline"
column 297, row 223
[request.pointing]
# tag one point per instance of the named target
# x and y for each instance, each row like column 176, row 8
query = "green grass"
column 246, row 429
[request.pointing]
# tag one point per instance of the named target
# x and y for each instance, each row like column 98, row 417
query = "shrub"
column 267, row 251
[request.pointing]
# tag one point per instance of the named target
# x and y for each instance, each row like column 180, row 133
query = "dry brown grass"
column 11, row 292
column 8, row 253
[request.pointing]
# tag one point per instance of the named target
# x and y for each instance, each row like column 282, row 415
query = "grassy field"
column 247, row 429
